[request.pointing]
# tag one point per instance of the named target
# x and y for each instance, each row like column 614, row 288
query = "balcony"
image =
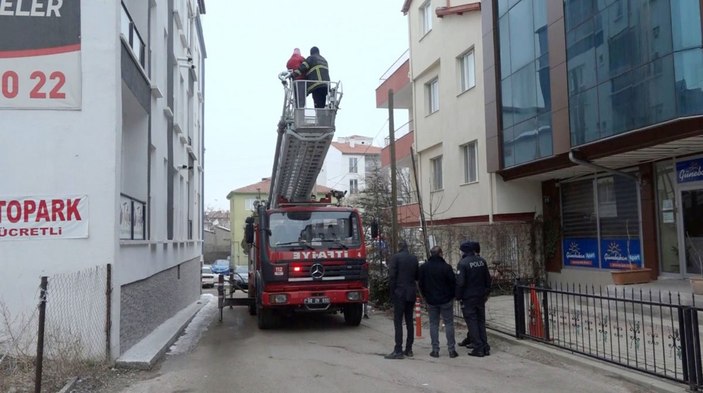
column 132, row 218
column 397, row 77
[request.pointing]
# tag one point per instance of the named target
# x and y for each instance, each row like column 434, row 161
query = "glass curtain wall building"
column 601, row 101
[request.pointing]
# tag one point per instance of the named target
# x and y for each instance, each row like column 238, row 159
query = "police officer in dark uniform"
column 315, row 69
column 467, row 341
column 403, row 272
column 473, row 284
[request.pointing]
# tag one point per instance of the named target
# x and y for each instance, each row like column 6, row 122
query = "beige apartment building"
column 460, row 199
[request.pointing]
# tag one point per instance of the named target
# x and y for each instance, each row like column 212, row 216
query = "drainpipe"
column 492, row 193
column 589, row 164
column 169, row 128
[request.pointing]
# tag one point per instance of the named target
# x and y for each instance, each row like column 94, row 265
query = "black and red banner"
column 40, row 62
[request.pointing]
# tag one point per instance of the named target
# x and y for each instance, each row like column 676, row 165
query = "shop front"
column 680, row 216
column 601, row 222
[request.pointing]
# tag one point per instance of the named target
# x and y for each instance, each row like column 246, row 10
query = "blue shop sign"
column 621, row 253
column 580, row 252
column 689, row 171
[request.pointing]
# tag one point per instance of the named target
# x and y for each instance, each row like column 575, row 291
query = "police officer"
column 473, row 284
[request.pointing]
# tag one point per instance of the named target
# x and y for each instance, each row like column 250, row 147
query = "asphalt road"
column 320, row 354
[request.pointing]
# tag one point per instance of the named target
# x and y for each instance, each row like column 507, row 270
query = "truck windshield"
column 314, row 229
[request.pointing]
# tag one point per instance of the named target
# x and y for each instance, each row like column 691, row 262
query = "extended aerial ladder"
column 304, row 137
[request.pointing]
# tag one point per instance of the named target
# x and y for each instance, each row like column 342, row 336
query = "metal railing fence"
column 645, row 331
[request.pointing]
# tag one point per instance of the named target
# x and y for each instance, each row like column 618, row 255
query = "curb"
column 150, row 349
column 651, row 383
column 69, row 385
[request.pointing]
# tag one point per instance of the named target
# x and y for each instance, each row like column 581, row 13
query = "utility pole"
column 394, row 190
column 423, row 223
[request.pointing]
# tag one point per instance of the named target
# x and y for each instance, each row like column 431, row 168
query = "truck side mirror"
column 249, row 230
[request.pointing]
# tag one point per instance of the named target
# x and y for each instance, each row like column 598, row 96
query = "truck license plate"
column 317, row 300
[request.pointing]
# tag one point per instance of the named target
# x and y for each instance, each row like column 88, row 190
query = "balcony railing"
column 132, row 36
column 393, row 68
column 132, row 218
column 399, row 133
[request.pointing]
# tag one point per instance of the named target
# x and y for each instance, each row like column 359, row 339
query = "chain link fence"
column 69, row 336
column 76, row 318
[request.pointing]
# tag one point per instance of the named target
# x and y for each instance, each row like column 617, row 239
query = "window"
column 432, row 96
column 353, row 186
column 353, row 167
column 426, row 17
column 470, row 162
column 249, row 204
column 468, row 73
column 436, row 164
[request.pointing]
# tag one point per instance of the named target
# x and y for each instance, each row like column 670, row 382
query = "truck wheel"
column 265, row 318
column 353, row 314
column 252, row 308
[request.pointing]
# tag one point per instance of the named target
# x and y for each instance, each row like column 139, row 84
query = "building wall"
column 217, row 244
column 459, row 120
column 239, row 212
column 625, row 88
column 335, row 170
column 149, row 302
column 116, row 144
column 59, row 153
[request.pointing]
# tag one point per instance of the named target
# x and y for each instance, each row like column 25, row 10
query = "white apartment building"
column 348, row 162
column 447, row 113
column 101, row 150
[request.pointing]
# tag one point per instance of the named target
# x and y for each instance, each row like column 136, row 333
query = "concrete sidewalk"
column 144, row 354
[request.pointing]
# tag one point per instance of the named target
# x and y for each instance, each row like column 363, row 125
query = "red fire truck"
column 305, row 254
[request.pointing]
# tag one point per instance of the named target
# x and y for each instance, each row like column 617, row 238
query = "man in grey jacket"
column 402, row 275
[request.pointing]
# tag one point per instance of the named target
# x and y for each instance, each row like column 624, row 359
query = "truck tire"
column 353, row 314
column 265, row 318
column 252, row 308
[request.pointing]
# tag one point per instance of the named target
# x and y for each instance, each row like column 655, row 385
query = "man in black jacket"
column 437, row 285
column 402, row 276
column 473, row 284
column 315, row 69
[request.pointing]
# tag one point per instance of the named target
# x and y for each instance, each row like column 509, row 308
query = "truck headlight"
column 353, row 296
column 279, row 298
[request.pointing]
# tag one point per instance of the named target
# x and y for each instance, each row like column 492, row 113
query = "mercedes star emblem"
column 317, row 271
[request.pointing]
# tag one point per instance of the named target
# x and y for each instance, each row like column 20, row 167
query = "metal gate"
column 645, row 331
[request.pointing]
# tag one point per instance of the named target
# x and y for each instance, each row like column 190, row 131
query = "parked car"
column 221, row 266
column 207, row 278
column 241, row 276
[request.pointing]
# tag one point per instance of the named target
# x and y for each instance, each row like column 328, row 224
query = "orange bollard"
column 418, row 318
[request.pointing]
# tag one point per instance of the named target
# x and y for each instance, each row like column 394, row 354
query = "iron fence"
column 649, row 332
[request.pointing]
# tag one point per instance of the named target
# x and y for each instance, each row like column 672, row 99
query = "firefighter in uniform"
column 315, row 70
column 473, row 284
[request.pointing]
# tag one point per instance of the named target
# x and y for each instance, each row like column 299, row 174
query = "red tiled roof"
column 263, row 186
column 358, row 148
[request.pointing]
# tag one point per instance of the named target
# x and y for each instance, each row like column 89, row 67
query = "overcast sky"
column 248, row 44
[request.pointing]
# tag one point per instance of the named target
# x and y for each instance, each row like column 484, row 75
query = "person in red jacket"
column 293, row 64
